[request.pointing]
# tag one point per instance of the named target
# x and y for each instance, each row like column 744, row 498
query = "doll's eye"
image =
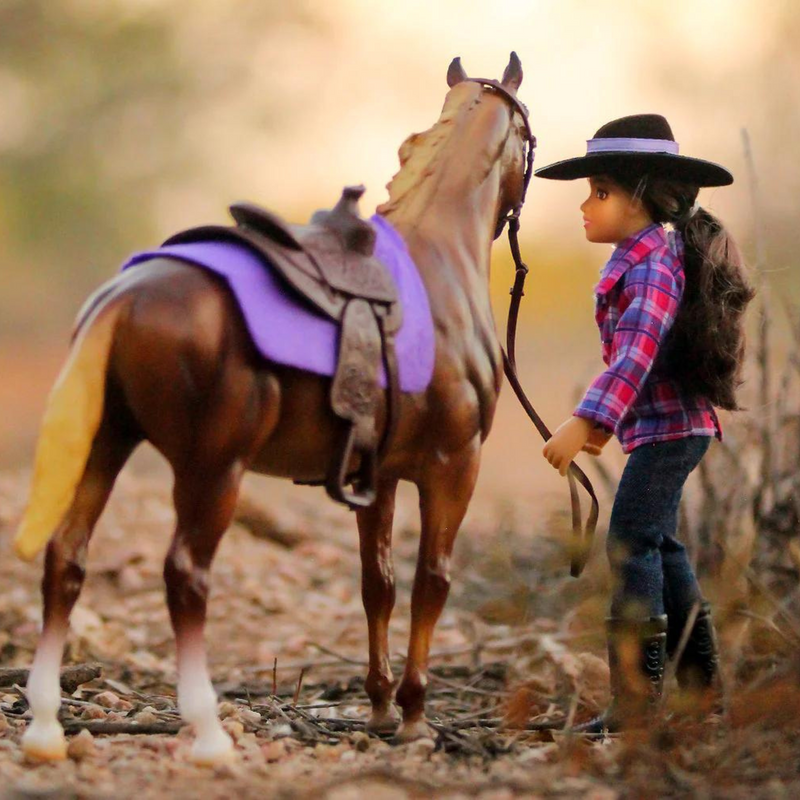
column 601, row 194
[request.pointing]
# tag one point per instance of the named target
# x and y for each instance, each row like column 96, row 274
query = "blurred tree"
column 100, row 104
column 757, row 90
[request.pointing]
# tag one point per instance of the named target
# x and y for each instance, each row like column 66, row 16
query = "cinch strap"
column 620, row 145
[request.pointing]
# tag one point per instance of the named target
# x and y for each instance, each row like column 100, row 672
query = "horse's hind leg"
column 377, row 592
column 445, row 489
column 64, row 571
column 205, row 499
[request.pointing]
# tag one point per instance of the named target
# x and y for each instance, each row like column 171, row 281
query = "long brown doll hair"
column 704, row 349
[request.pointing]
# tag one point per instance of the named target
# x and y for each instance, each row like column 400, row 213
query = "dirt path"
column 518, row 641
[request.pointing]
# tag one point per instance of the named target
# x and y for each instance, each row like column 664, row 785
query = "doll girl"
column 670, row 309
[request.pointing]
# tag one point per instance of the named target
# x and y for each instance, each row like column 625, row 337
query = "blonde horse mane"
column 424, row 155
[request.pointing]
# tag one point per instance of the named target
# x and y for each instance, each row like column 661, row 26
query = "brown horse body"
column 182, row 373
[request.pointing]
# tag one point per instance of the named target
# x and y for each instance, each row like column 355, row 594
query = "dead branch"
column 109, row 727
column 71, row 677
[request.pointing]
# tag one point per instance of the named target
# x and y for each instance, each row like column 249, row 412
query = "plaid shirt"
column 637, row 299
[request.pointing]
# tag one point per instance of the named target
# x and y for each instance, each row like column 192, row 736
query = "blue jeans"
column 649, row 565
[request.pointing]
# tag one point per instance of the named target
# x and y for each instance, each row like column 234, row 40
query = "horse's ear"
column 455, row 72
column 512, row 77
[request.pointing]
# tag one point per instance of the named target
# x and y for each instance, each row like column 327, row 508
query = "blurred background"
column 122, row 121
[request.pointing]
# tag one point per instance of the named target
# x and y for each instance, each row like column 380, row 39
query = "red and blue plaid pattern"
column 637, row 298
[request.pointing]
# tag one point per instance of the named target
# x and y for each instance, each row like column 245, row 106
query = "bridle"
column 581, row 537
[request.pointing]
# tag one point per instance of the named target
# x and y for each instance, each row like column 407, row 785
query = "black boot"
column 641, row 646
column 697, row 670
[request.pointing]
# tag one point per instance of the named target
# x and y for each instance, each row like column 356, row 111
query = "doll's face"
column 610, row 214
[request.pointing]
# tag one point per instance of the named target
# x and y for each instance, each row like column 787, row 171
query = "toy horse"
column 161, row 354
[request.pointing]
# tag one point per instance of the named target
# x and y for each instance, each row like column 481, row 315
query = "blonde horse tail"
column 71, row 419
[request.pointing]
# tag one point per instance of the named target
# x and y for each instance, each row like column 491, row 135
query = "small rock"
column 379, row 744
column 327, row 753
column 146, row 716
column 131, row 580
column 421, row 747
column 360, row 741
column 227, row 709
column 278, row 730
column 81, row 746
column 370, row 788
column 151, row 744
column 233, row 727
column 225, row 771
column 534, row 755
column 274, row 751
column 348, row 755
column 93, row 712
column 4, row 726
column 111, row 700
column 250, row 717
column 95, row 774
column 248, row 743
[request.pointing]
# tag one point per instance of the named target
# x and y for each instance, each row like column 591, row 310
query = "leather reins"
column 581, row 544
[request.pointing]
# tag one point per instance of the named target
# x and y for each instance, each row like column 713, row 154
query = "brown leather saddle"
column 330, row 263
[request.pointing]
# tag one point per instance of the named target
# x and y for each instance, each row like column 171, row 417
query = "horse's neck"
column 449, row 235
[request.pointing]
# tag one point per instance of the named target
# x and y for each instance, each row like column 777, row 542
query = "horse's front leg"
column 377, row 592
column 445, row 489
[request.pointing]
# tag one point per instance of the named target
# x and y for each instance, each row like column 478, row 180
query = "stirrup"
column 364, row 480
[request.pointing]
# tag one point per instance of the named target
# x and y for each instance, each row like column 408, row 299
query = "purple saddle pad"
column 286, row 330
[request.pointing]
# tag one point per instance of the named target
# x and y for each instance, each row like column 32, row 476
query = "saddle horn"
column 357, row 234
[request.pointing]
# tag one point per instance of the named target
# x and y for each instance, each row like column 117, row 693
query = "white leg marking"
column 44, row 739
column 198, row 705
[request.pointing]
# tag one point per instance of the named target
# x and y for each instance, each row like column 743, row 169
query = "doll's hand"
column 598, row 439
column 567, row 441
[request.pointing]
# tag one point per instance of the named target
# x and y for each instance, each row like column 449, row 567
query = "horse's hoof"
column 213, row 750
column 45, row 741
column 384, row 721
column 409, row 731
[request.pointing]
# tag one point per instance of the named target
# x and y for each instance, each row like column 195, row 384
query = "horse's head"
column 505, row 120
column 483, row 131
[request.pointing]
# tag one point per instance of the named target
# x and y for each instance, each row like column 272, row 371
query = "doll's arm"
column 598, row 439
column 566, row 442
column 572, row 436
column 652, row 293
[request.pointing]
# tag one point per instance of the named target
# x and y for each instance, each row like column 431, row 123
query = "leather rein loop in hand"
column 582, row 538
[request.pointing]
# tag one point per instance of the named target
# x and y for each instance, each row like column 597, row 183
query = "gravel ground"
column 518, row 643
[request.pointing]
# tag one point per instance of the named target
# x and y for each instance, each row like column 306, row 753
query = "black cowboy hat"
column 639, row 144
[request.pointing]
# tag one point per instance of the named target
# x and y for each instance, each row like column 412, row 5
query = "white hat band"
column 620, row 145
